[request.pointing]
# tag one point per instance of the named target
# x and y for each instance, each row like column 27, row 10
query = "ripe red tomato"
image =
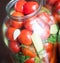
column 25, row 37
column 17, row 23
column 28, row 24
column 48, row 47
column 51, row 2
column 42, row 28
column 30, row 60
column 9, row 33
column 19, row 6
column 30, row 7
column 56, row 11
column 57, row 16
column 14, row 46
column 46, row 18
column 28, row 52
column 50, row 54
column 45, row 33
column 57, row 6
column 17, row 14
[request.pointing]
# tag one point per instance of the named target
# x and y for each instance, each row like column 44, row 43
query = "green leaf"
column 52, row 38
column 21, row 58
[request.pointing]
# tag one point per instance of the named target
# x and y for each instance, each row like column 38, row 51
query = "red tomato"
column 17, row 14
column 17, row 23
column 56, row 11
column 25, row 37
column 9, row 33
column 38, row 26
column 48, row 47
column 14, row 46
column 21, row 0
column 50, row 54
column 57, row 6
column 28, row 24
column 57, row 16
column 28, row 52
column 52, row 2
column 45, row 33
column 30, row 7
column 30, row 60
column 19, row 6
column 46, row 18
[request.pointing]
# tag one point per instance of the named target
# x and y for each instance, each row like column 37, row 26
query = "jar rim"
column 11, row 4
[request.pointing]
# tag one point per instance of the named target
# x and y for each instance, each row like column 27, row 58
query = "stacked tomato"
column 19, row 31
column 54, row 6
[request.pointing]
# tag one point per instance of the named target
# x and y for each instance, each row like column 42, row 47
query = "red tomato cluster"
column 19, row 6
column 26, row 7
column 56, row 11
column 54, row 6
column 19, row 31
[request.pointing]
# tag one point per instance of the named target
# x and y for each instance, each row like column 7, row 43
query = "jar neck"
column 10, row 5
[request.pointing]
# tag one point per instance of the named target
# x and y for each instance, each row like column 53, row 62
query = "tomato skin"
column 30, row 60
column 56, row 11
column 57, row 16
column 19, row 6
column 14, row 47
column 57, row 6
column 30, row 7
column 50, row 54
column 17, row 14
column 31, row 23
column 51, row 2
column 45, row 33
column 28, row 52
column 28, row 24
column 46, row 18
column 25, row 37
column 17, row 23
column 9, row 33
column 48, row 47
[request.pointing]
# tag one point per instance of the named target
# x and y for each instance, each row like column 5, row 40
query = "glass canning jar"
column 26, row 31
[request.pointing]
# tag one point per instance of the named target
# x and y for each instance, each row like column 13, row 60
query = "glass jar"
column 28, row 29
